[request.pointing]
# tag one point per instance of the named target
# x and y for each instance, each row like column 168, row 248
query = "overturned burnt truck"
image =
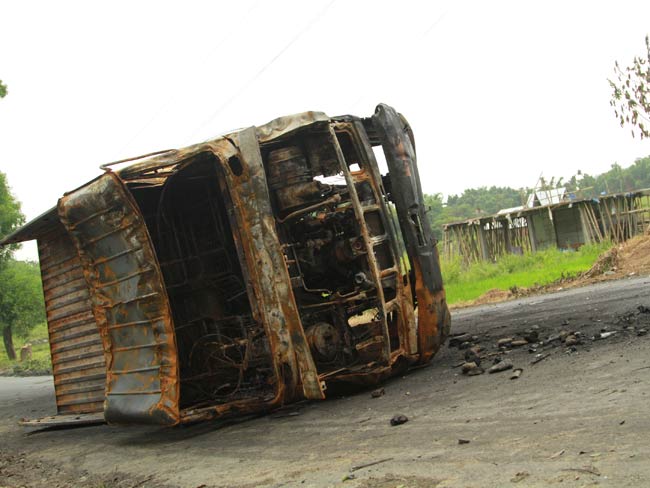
column 240, row 274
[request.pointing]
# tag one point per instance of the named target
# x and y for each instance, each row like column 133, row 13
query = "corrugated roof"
column 34, row 228
column 539, row 198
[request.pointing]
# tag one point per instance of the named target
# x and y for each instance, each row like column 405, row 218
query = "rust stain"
column 78, row 364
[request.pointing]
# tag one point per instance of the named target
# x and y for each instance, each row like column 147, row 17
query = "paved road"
column 575, row 419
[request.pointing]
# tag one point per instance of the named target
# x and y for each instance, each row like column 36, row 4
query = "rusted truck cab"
column 243, row 273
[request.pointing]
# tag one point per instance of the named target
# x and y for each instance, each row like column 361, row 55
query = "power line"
column 435, row 23
column 172, row 98
column 246, row 85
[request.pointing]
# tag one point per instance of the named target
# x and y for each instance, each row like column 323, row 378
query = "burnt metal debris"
column 241, row 274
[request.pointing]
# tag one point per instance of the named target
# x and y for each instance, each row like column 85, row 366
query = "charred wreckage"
column 240, row 274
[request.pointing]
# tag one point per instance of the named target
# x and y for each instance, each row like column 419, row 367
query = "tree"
column 617, row 179
column 473, row 202
column 631, row 93
column 21, row 301
column 10, row 218
column 3, row 89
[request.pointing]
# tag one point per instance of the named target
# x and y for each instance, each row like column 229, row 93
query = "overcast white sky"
column 497, row 92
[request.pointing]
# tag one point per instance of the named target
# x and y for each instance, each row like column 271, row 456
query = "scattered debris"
column 468, row 366
column 398, row 419
column 540, row 357
column 604, row 335
column 639, row 369
column 456, row 333
column 140, row 483
column 587, row 469
column 505, row 342
column 285, row 413
column 557, row 454
column 472, row 369
column 459, row 339
column 627, row 318
column 551, row 339
column 520, row 477
column 571, row 340
column 501, row 366
column 621, row 422
column 516, row 373
column 371, row 463
column 463, row 441
column 472, row 355
column 637, row 323
column 532, row 335
column 377, row 393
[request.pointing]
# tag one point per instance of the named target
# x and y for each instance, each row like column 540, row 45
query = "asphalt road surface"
column 578, row 417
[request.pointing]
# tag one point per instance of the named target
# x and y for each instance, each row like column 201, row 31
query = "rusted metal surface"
column 268, row 272
column 287, row 125
column 257, row 269
column 129, row 302
column 78, row 363
column 433, row 315
column 65, row 420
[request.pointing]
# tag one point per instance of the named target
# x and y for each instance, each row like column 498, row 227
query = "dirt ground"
column 577, row 417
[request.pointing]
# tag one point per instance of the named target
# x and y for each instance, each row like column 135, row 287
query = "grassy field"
column 468, row 283
column 40, row 362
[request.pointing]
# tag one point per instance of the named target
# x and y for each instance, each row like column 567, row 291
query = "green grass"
column 466, row 283
column 40, row 362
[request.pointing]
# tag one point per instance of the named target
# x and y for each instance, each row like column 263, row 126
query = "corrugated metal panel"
column 568, row 227
column 77, row 354
column 34, row 229
column 543, row 229
column 129, row 300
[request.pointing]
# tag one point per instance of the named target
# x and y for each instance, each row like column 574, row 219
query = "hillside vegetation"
column 476, row 202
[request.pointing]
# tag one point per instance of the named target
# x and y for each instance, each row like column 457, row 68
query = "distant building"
column 549, row 218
